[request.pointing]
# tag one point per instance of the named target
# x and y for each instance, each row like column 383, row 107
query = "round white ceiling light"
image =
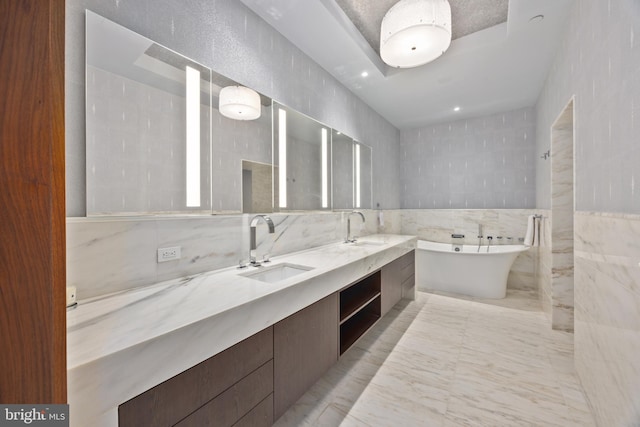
column 415, row 32
column 239, row 103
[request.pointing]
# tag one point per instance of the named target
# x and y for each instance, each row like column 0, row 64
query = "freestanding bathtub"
column 480, row 274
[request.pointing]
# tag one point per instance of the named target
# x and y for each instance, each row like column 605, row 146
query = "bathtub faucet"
column 489, row 239
column 480, row 236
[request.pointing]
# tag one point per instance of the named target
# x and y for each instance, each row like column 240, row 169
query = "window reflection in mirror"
column 302, row 161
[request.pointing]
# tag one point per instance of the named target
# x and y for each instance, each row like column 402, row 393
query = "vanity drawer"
column 236, row 402
column 171, row 401
column 261, row 415
column 408, row 266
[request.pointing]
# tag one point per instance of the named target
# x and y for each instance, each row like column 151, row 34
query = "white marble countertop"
column 121, row 345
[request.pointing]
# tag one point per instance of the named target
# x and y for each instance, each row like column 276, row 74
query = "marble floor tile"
column 443, row 360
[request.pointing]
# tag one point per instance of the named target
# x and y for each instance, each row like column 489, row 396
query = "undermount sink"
column 276, row 273
column 367, row 243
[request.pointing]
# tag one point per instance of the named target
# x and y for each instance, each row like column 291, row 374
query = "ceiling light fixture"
column 456, row 108
column 414, row 32
column 239, row 103
column 364, row 74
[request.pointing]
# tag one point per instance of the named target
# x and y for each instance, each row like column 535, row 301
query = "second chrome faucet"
column 348, row 238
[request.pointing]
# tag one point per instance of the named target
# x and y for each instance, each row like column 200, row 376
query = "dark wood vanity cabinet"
column 398, row 281
column 254, row 382
column 234, row 387
column 305, row 346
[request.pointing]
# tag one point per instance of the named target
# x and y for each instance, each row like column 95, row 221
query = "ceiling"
column 498, row 60
column 467, row 16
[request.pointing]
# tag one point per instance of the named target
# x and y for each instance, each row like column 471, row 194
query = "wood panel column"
column 32, row 202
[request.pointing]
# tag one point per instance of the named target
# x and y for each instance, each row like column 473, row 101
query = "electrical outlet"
column 168, row 254
column 71, row 295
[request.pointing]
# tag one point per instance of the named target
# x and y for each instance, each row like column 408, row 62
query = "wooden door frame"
column 32, row 203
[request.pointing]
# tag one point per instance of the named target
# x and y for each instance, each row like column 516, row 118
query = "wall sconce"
column 414, row 32
column 239, row 103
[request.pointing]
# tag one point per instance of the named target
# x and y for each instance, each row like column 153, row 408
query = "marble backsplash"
column 107, row 255
column 607, row 318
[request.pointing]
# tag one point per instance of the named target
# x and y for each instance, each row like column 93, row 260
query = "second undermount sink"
column 276, row 273
column 368, row 243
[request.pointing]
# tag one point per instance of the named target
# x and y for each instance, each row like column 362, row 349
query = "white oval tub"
column 480, row 274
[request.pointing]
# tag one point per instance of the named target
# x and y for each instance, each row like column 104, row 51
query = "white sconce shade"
column 239, row 103
column 415, row 32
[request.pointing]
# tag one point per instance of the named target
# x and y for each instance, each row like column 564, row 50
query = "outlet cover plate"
column 168, row 254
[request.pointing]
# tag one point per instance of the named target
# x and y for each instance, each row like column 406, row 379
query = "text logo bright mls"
column 36, row 415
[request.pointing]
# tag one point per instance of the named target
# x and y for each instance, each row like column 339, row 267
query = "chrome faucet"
column 348, row 239
column 252, row 236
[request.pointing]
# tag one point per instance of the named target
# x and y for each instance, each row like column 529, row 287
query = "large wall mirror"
column 302, row 161
column 157, row 142
column 352, row 175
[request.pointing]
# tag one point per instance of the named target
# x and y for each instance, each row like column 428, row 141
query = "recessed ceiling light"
column 456, row 108
column 537, row 18
column 364, row 74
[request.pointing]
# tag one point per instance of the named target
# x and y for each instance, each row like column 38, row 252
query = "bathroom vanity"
column 226, row 345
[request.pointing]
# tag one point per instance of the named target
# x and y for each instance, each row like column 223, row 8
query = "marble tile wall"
column 110, row 255
column 607, row 318
column 543, row 265
column 479, row 163
column 437, row 225
column 562, row 208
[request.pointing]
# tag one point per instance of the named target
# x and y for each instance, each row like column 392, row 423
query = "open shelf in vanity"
column 360, row 308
